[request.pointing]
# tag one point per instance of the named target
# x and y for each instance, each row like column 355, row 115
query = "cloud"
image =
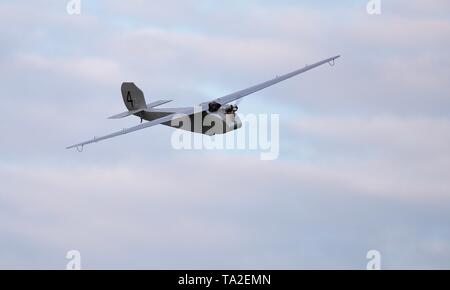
column 364, row 149
column 214, row 219
column 90, row 69
column 385, row 155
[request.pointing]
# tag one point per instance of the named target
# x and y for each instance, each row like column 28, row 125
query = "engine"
column 227, row 109
column 230, row 109
column 220, row 119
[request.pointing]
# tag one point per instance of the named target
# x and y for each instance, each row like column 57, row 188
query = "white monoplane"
column 218, row 116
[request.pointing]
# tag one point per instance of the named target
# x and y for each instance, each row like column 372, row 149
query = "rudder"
column 133, row 97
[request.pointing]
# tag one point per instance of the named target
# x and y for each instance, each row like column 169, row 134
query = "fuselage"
column 208, row 123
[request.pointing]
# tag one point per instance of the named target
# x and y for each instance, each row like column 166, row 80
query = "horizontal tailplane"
column 149, row 106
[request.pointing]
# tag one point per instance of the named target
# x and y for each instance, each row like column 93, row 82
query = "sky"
column 364, row 159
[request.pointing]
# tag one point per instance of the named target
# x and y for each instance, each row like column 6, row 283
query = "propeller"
column 237, row 103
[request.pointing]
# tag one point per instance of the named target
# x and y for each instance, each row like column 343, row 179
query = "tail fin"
column 133, row 97
column 134, row 100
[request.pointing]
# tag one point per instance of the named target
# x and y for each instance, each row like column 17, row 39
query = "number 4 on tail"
column 129, row 99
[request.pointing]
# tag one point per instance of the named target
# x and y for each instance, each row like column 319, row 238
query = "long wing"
column 179, row 114
column 240, row 94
